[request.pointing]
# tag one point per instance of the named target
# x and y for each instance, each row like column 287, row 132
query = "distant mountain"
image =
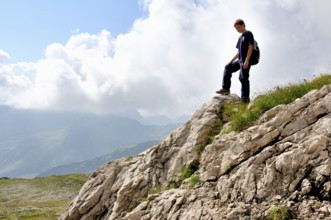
column 34, row 141
column 91, row 165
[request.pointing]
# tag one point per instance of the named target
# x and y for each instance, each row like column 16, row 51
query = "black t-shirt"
column 244, row 41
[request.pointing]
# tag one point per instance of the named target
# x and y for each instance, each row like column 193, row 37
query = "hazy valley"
column 32, row 142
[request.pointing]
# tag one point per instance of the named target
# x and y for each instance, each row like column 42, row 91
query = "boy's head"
column 240, row 26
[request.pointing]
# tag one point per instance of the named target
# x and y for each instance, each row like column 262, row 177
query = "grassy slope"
column 39, row 198
column 242, row 117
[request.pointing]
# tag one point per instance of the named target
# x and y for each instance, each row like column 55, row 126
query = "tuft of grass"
column 215, row 131
column 194, row 181
column 143, row 199
column 154, row 191
column 187, row 171
column 211, row 137
column 129, row 158
column 238, row 115
column 229, row 167
column 279, row 213
column 241, row 117
column 201, row 150
column 173, row 185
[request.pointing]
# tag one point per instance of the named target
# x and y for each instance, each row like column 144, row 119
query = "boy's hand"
column 246, row 64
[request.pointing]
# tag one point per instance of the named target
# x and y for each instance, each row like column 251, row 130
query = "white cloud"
column 288, row 4
column 172, row 61
column 4, row 56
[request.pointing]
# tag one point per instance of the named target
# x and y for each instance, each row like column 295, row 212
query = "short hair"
column 239, row 22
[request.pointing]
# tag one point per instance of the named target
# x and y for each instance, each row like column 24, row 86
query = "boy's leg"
column 244, row 79
column 227, row 74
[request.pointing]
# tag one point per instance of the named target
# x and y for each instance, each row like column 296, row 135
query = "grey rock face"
column 284, row 161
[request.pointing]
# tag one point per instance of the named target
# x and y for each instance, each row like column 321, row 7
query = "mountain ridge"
column 281, row 164
column 34, row 141
column 90, row 166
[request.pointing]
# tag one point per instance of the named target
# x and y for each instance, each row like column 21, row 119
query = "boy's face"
column 240, row 28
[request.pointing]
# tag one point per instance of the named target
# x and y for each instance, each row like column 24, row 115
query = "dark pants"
column 243, row 77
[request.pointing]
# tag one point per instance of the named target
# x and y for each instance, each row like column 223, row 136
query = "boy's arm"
column 249, row 54
column 233, row 59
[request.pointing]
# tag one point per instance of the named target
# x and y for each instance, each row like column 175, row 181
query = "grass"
column 194, row 181
column 173, row 185
column 154, row 191
column 129, row 158
column 39, row 198
column 29, row 214
column 229, row 167
column 187, row 172
column 215, row 131
column 279, row 213
column 241, row 117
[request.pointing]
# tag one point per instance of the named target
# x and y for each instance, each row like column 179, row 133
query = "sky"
column 155, row 57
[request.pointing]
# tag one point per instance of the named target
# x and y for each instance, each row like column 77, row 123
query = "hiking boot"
column 223, row 92
column 245, row 100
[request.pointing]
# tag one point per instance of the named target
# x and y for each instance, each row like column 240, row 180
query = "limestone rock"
column 284, row 160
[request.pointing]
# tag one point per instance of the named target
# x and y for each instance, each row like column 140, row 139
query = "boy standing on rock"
column 240, row 62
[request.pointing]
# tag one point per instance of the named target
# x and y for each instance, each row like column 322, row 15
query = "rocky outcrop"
column 280, row 166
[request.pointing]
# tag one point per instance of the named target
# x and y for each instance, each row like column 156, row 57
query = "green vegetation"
column 33, row 214
column 194, row 181
column 215, row 131
column 39, row 198
column 174, row 185
column 242, row 117
column 154, row 191
column 129, row 158
column 211, row 137
column 229, row 167
column 279, row 213
column 201, row 150
column 187, row 172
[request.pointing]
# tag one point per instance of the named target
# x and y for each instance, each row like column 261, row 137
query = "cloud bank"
column 171, row 61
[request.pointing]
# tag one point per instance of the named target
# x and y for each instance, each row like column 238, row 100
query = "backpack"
column 255, row 57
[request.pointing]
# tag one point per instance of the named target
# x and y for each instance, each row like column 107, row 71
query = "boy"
column 240, row 62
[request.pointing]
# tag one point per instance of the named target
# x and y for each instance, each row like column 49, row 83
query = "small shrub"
column 279, row 213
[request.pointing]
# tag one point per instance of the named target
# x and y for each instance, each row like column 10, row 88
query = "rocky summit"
column 280, row 168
